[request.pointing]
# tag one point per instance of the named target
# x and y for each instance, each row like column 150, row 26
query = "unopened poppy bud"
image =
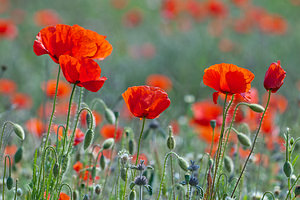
column 187, row 177
column 19, row 192
column 89, row 136
column 65, row 163
column 131, row 146
column 123, row 174
column 19, row 131
column 171, row 142
column 75, row 195
column 228, row 164
column 288, row 169
column 86, row 197
column 244, row 128
column 213, row 123
column 9, row 183
column 183, row 163
column 110, row 116
column 256, row 107
column 55, row 169
column 18, row 155
column 297, row 191
column 89, row 119
column 94, row 172
column 244, row 139
column 102, row 162
column 98, row 189
column 132, row 195
column 108, row 143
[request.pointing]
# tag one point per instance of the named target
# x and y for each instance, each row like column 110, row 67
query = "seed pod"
column 89, row 136
column 256, row 108
column 297, row 191
column 132, row 195
column 102, row 162
column 9, row 183
column 213, row 123
column 19, row 131
column 131, row 146
column 110, row 116
column 18, row 155
column 244, row 139
column 65, row 163
column 98, row 189
column 288, row 169
column 55, row 169
column 108, row 143
column 228, row 164
column 123, row 174
column 171, row 142
column 183, row 163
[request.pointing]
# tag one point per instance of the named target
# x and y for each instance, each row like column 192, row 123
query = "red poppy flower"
column 274, row 77
column 10, row 150
column 21, row 101
column 84, row 72
column 227, row 78
column 7, row 86
column 8, row 29
column 204, row 112
column 46, row 17
column 159, row 80
column 74, row 41
column 108, row 131
column 141, row 157
column 77, row 166
column 63, row 89
column 63, row 196
column 79, row 137
column 146, row 101
column 35, row 126
column 216, row 8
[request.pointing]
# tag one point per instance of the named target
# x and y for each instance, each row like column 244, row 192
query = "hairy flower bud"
column 110, row 116
column 183, row 163
column 102, row 162
column 89, row 136
column 19, row 131
column 256, row 107
column 18, row 155
column 244, row 139
column 9, row 183
column 288, row 169
column 108, row 143
column 228, row 164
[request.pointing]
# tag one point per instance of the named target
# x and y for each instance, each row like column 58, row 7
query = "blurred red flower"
column 216, row 8
column 7, row 86
column 274, row 77
column 49, row 88
column 21, row 101
column 133, row 18
column 63, row 196
column 8, row 29
column 205, row 111
column 227, row 78
column 46, row 17
column 77, row 166
column 35, row 126
column 146, row 101
column 141, row 157
column 74, row 41
column 108, row 131
column 119, row 4
column 83, row 72
column 159, row 80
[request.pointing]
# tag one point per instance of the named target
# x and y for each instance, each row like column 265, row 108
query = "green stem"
column 172, row 177
column 5, row 123
column 262, row 198
column 16, row 189
column 253, row 145
column 138, row 150
column 292, row 187
column 163, row 174
column 124, row 194
column 53, row 108
column 9, row 173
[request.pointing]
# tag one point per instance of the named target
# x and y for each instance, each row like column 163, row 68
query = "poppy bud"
column 19, row 131
column 288, row 169
column 228, row 164
column 213, row 123
column 110, row 116
column 244, row 139
column 65, row 163
column 75, row 195
column 102, row 162
column 89, row 136
column 297, row 191
column 292, row 141
column 9, row 183
column 132, row 195
column 131, row 146
column 183, row 163
column 123, row 174
column 55, row 169
column 98, row 189
column 19, row 192
column 86, row 197
column 274, row 77
column 171, row 142
column 89, row 119
column 93, row 172
column 108, row 143
column 18, row 155
column 256, row 108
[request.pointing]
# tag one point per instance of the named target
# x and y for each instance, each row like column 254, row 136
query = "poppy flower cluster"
column 74, row 48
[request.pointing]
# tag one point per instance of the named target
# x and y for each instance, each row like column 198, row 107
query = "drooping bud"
column 55, row 169
column 89, row 137
column 131, row 146
column 132, row 195
column 18, row 155
column 244, row 139
column 98, row 189
column 110, row 116
column 183, row 163
column 75, row 195
column 19, row 131
column 9, row 183
column 89, row 119
column 102, row 162
column 288, row 169
column 108, row 143
column 256, row 107
column 228, row 164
